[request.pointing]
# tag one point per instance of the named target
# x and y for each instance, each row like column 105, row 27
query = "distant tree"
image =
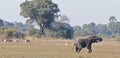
column 112, row 19
column 80, row 32
column 11, row 32
column 118, row 27
column 64, row 19
column 77, row 28
column 1, row 22
column 22, row 27
column 113, row 25
column 19, row 35
column 102, row 29
column 8, row 24
column 77, row 33
column 117, row 36
column 33, row 32
column 41, row 12
column 90, row 27
column 62, row 30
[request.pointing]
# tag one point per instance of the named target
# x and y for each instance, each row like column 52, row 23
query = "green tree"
column 64, row 19
column 33, row 32
column 11, row 32
column 1, row 23
column 41, row 12
column 112, row 19
column 80, row 32
column 90, row 27
column 113, row 25
column 62, row 30
column 101, row 29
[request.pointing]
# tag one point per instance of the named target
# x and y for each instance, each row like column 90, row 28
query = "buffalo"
column 8, row 40
column 27, row 40
column 86, row 42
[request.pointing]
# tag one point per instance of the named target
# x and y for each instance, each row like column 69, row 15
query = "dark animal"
column 8, row 40
column 86, row 42
column 27, row 40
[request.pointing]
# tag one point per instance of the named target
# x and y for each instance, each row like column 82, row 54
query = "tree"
column 102, row 29
column 22, row 27
column 33, row 32
column 41, row 12
column 1, row 22
column 80, row 33
column 113, row 25
column 11, row 32
column 8, row 24
column 90, row 27
column 62, row 30
column 112, row 19
column 77, row 27
column 64, row 19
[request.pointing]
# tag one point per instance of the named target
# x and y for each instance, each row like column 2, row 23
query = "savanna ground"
column 54, row 48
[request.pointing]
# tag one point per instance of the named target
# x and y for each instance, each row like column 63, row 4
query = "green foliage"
column 1, row 23
column 90, row 28
column 112, row 19
column 23, row 27
column 117, row 36
column 59, row 29
column 11, row 32
column 33, row 32
column 114, row 25
column 102, row 29
column 64, row 19
column 41, row 12
column 19, row 25
column 78, row 33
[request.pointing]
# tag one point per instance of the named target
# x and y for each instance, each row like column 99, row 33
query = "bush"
column 78, row 33
column 33, row 32
column 117, row 36
column 11, row 32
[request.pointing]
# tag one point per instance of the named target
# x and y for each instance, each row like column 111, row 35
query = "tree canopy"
column 41, row 12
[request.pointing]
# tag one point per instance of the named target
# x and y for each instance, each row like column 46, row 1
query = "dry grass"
column 57, row 49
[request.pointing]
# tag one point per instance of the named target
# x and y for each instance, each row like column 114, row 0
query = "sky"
column 78, row 11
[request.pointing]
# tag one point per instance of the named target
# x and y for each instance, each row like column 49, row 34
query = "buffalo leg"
column 89, row 49
column 79, row 49
column 76, row 48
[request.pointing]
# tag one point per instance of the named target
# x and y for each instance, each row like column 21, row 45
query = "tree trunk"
column 41, row 29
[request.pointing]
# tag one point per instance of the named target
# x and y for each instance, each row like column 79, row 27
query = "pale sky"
column 78, row 11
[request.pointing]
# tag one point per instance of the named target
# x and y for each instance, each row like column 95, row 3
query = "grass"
column 57, row 49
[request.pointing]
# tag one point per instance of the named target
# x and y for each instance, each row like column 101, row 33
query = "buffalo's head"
column 96, row 39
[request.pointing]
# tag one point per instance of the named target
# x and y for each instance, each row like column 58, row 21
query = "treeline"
column 13, row 29
column 19, row 25
column 61, row 29
column 58, row 29
column 45, row 14
column 65, row 30
column 112, row 29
